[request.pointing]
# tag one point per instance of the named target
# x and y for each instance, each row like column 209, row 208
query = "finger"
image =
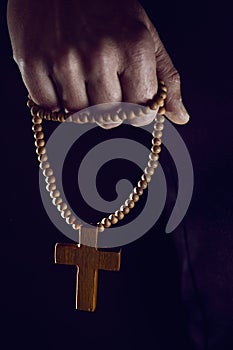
column 70, row 83
column 103, row 87
column 139, row 81
column 39, row 85
column 166, row 71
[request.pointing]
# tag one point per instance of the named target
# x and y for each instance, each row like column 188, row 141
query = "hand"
column 77, row 53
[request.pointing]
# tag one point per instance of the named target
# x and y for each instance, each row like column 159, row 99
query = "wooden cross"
column 88, row 260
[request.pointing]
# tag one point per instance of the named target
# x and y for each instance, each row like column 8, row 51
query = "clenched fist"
column 77, row 53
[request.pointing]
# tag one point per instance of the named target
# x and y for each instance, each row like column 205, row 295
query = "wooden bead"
column 115, row 118
column 161, row 82
column 160, row 101
column 76, row 119
column 160, row 118
column 100, row 227
column 70, row 220
column 106, row 222
column 125, row 209
column 146, row 177
column 153, row 156
column 57, row 201
column 119, row 214
column 134, row 197
column 65, row 213
column 83, row 118
column 30, row 104
column 130, row 115
column 69, row 119
column 156, row 149
column 149, row 170
column 138, row 191
column 122, row 115
column 48, row 172
column 162, row 94
column 146, row 110
column 60, row 117
column 91, row 118
column 34, row 110
column 142, row 184
column 77, row 225
column 163, row 88
column 39, row 135
column 130, row 203
column 39, row 143
column 156, row 141
column 37, row 127
column 55, row 194
column 44, row 165
column 51, row 187
column 157, row 133
column 159, row 126
column 107, row 117
column 153, row 105
column 37, row 120
column 61, row 207
column 113, row 219
column 50, row 179
column 153, row 164
column 43, row 158
column 40, row 113
column 40, row 150
column 161, row 111
column 47, row 115
column 138, row 112
column 100, row 118
column 54, row 116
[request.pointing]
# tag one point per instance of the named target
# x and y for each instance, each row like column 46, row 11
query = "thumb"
column 175, row 110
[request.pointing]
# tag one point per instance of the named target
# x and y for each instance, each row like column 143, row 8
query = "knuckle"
column 173, row 76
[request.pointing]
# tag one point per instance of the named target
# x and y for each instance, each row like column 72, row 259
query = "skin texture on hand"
column 77, row 53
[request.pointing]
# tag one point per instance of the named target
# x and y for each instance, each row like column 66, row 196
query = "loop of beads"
column 38, row 114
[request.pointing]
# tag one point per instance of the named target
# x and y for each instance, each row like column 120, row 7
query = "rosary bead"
column 47, row 115
column 36, row 127
column 39, row 135
column 125, row 209
column 153, row 164
column 40, row 150
column 146, row 110
column 100, row 118
column 107, row 117
column 134, row 197
column 130, row 203
column 160, row 101
column 76, row 225
column 34, row 110
column 43, row 158
column 156, row 141
column 65, row 213
column 162, row 94
column 54, row 116
column 51, row 187
column 91, row 118
column 153, row 105
column 40, row 114
column 83, row 118
column 106, row 222
column 45, row 165
column 153, row 156
column 146, row 177
column 39, row 143
column 48, row 172
column 160, row 118
column 143, row 184
column 130, row 115
column 30, row 104
column 55, row 194
column 70, row 220
column 156, row 149
column 161, row 111
column 157, row 133
column 122, row 115
column 57, row 201
column 76, row 119
column 163, row 88
column 119, row 214
column 37, row 120
column 115, row 118
column 113, row 219
column 149, row 170
column 50, row 179
column 100, row 227
column 61, row 207
column 138, row 112
column 159, row 126
column 138, row 191
column 61, row 117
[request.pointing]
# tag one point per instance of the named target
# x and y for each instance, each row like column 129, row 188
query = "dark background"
column 173, row 291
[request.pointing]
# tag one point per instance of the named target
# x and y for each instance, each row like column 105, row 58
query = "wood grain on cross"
column 88, row 260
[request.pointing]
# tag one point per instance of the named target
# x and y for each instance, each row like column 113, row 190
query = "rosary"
column 85, row 255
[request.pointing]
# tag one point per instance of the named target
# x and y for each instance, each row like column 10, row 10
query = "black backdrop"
column 173, row 291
